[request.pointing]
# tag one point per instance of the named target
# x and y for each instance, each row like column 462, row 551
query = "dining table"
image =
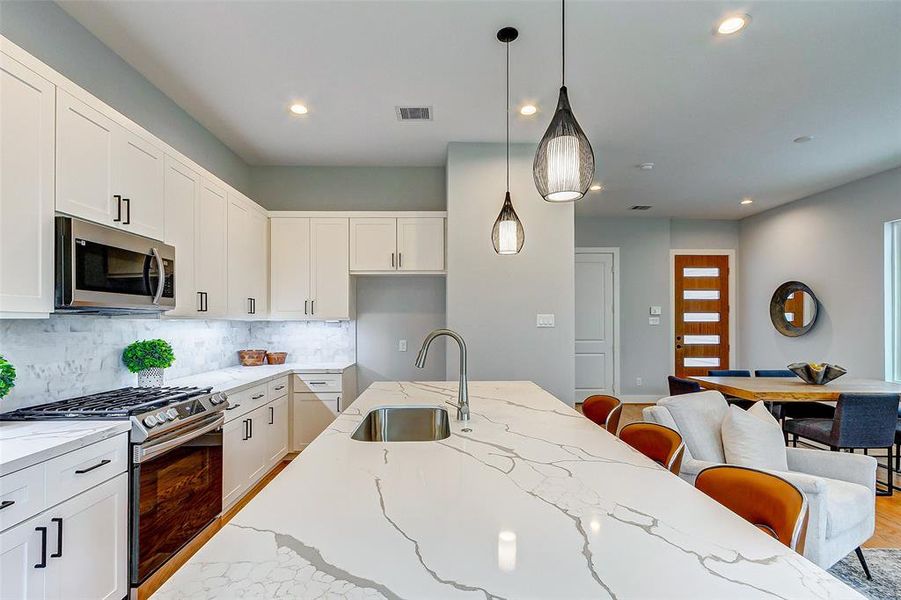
column 787, row 389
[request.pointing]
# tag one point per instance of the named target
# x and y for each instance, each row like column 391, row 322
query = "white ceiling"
column 648, row 82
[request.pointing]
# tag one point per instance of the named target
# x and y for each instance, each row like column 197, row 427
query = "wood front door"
column 702, row 313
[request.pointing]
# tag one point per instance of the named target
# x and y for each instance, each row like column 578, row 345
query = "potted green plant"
column 7, row 376
column 148, row 358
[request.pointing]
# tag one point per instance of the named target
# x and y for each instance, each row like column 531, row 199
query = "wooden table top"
column 787, row 389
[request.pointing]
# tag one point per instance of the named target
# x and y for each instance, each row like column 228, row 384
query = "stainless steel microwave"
column 100, row 269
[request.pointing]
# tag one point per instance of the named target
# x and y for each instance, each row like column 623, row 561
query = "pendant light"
column 564, row 164
column 507, row 235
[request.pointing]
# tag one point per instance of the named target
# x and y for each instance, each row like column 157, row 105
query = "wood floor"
column 888, row 508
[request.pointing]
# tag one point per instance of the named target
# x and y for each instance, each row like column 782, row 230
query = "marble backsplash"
column 71, row 355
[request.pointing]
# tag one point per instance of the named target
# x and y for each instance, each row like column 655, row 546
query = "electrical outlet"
column 638, row 381
column 402, row 345
column 653, row 320
column 544, row 320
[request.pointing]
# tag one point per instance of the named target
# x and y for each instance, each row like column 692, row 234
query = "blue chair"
column 729, row 373
column 773, row 373
column 678, row 386
column 795, row 410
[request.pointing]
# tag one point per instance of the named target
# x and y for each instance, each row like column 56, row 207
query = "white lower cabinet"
column 312, row 413
column 277, row 430
column 75, row 550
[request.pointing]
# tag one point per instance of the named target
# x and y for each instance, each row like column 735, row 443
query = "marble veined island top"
column 534, row 502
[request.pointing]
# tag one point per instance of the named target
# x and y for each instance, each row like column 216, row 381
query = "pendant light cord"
column 507, row 107
column 563, row 42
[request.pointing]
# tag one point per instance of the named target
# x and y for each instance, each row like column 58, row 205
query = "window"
column 893, row 301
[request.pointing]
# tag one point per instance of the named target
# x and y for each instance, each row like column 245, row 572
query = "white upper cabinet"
column 373, row 244
column 420, row 244
column 106, row 173
column 290, row 267
column 405, row 244
column 181, row 211
column 248, row 244
column 210, row 251
column 26, row 191
column 329, row 274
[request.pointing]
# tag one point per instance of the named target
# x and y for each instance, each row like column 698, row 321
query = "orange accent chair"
column 772, row 504
column 658, row 442
column 603, row 410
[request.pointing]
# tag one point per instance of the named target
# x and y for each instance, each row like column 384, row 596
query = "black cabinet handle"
column 43, row 563
column 392, row 260
column 59, row 537
column 400, row 260
column 206, row 302
column 257, row 397
column 105, row 461
column 127, row 220
column 246, row 431
column 6, row 504
column 199, row 301
column 233, row 406
column 271, row 416
column 312, row 307
column 279, row 387
column 118, row 208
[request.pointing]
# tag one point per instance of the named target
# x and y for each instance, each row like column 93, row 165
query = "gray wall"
column 645, row 245
column 46, row 31
column 396, row 308
column 492, row 300
column 349, row 188
column 833, row 242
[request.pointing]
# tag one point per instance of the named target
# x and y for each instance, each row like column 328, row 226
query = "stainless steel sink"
column 403, row 424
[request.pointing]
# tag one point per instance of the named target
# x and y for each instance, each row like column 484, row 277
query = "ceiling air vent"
column 641, row 207
column 407, row 114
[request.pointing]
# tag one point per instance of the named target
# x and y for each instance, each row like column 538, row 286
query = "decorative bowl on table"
column 817, row 373
column 251, row 358
column 276, row 358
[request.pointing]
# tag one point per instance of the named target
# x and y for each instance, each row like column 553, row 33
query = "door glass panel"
column 702, row 339
column 699, row 317
column 702, row 362
column 701, row 294
column 701, row 272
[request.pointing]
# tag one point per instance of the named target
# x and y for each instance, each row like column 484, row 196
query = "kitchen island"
column 527, row 500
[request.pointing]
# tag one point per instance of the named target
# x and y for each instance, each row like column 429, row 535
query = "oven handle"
column 161, row 269
column 145, row 453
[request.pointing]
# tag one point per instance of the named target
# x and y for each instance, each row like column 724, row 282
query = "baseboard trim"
column 640, row 398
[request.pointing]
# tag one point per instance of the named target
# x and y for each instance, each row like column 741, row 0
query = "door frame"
column 616, row 309
column 733, row 300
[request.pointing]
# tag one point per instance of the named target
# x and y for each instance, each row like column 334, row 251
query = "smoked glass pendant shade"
column 507, row 235
column 564, row 164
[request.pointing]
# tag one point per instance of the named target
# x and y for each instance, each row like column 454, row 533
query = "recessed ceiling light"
column 299, row 109
column 528, row 110
column 596, row 187
column 733, row 24
column 646, row 166
column 803, row 139
column 746, row 201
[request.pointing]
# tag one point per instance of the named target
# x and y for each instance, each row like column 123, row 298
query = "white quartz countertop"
column 232, row 379
column 27, row 443
column 534, row 502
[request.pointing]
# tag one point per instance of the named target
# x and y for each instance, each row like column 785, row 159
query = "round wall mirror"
column 793, row 309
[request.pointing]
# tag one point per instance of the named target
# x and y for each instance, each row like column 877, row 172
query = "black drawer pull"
column 59, row 537
column 257, row 397
column 317, row 382
column 6, row 504
column 105, row 461
column 43, row 563
column 233, row 406
column 279, row 387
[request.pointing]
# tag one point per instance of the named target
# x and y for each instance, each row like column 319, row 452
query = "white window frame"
column 893, row 301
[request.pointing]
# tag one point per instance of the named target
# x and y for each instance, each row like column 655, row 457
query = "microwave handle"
column 161, row 269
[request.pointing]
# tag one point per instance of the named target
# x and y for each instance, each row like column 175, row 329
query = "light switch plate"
column 402, row 345
column 544, row 320
column 653, row 320
column 656, row 310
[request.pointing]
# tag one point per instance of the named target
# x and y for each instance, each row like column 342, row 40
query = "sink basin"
column 403, row 424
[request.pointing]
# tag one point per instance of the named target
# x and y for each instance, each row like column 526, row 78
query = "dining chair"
column 769, row 502
column 661, row 444
column 740, row 402
column 773, row 373
column 862, row 421
column 678, row 386
column 795, row 410
column 603, row 410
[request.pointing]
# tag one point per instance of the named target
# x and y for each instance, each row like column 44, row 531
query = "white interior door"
column 595, row 342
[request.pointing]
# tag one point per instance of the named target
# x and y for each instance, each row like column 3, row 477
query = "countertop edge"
column 46, row 454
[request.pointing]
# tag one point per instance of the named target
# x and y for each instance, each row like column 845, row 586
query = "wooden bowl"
column 276, row 358
column 251, row 358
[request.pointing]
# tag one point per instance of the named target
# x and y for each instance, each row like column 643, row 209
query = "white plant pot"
column 150, row 377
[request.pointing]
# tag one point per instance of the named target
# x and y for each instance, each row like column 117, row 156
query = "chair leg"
column 863, row 562
column 795, row 440
column 898, row 457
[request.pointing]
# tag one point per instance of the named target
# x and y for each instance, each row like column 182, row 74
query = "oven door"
column 105, row 269
column 176, row 492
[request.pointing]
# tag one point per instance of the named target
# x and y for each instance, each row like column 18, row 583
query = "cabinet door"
column 239, row 277
column 21, row 549
column 312, row 414
column 330, row 278
column 258, row 449
column 259, row 264
column 277, row 430
column 93, row 530
column 420, row 244
column 84, row 162
column 373, row 244
column 26, row 189
column 210, row 262
column 138, row 175
column 234, row 461
column 182, row 193
column 290, row 267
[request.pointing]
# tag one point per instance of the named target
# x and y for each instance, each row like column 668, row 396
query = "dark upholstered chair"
column 796, row 410
column 739, row 402
column 678, row 386
column 862, row 421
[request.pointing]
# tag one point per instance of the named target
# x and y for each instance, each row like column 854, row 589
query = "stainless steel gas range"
column 175, row 476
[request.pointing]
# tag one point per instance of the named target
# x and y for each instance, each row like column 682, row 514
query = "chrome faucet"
column 462, row 404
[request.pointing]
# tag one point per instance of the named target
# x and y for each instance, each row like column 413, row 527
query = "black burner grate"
column 115, row 404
